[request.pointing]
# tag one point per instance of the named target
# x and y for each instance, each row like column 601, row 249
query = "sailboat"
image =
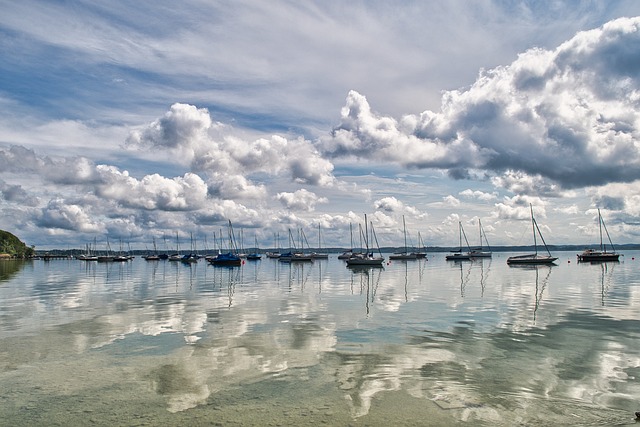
column 108, row 255
column 230, row 258
column 480, row 252
column 89, row 255
column 459, row 255
column 367, row 258
column 403, row 255
column 534, row 258
column 193, row 255
column 276, row 253
column 593, row 255
column 176, row 255
column 254, row 256
column 421, row 251
column 154, row 256
column 349, row 253
column 295, row 255
column 319, row 254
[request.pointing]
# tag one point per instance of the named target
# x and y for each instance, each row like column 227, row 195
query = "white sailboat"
column 421, row 251
column 349, row 253
column 534, row 258
column 601, row 255
column 276, row 253
column 481, row 252
column 404, row 255
column 367, row 258
column 319, row 254
column 459, row 255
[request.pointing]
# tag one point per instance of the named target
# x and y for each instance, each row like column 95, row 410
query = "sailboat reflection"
column 227, row 277
column 297, row 274
column 540, row 287
column 464, row 278
column 368, row 282
column 606, row 278
column 484, row 273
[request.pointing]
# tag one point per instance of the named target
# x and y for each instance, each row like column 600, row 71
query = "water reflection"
column 367, row 279
column 9, row 267
column 465, row 342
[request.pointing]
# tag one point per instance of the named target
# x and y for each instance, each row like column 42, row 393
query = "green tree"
column 10, row 244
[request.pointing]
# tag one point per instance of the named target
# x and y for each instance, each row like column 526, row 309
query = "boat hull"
column 458, row 257
column 595, row 256
column 531, row 259
column 226, row 260
column 405, row 257
column 370, row 261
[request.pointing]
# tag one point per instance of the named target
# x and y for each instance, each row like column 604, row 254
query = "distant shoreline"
column 428, row 249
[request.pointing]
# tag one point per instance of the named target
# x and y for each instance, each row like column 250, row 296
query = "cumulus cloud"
column 61, row 214
column 192, row 137
column 478, row 195
column 235, row 187
column 519, row 208
column 451, row 200
column 17, row 194
column 183, row 125
column 60, row 170
column 301, row 200
column 389, row 204
column 568, row 116
column 152, row 191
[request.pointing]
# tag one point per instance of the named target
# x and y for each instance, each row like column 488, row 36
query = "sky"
column 140, row 121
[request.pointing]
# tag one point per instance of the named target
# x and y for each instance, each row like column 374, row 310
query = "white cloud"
column 188, row 134
column 478, row 195
column 63, row 215
column 152, row 191
column 566, row 116
column 451, row 200
column 519, row 208
column 389, row 204
column 301, row 200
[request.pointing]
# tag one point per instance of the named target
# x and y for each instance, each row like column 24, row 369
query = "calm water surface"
column 416, row 343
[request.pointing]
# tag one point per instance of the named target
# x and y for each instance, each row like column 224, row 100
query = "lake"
column 273, row 344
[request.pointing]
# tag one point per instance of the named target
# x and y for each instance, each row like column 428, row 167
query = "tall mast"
column 533, row 227
column 404, row 226
column 600, row 225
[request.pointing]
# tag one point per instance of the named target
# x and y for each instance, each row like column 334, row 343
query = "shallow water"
column 416, row 343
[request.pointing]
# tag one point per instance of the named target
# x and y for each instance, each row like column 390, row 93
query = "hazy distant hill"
column 11, row 245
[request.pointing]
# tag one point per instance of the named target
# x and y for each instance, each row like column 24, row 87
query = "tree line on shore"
column 12, row 247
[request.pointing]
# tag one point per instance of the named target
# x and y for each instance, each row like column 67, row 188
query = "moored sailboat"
column 255, row 255
column 230, row 258
column 601, row 255
column 404, row 255
column 459, row 255
column 319, row 254
column 295, row 255
column 367, row 258
column 276, row 252
column 348, row 253
column 481, row 252
column 534, row 258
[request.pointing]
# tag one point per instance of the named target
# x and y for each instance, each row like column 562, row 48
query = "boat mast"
column 465, row 238
column 606, row 231
column 535, row 224
column 404, row 226
column 533, row 227
column 375, row 237
column 600, row 226
column 366, row 234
